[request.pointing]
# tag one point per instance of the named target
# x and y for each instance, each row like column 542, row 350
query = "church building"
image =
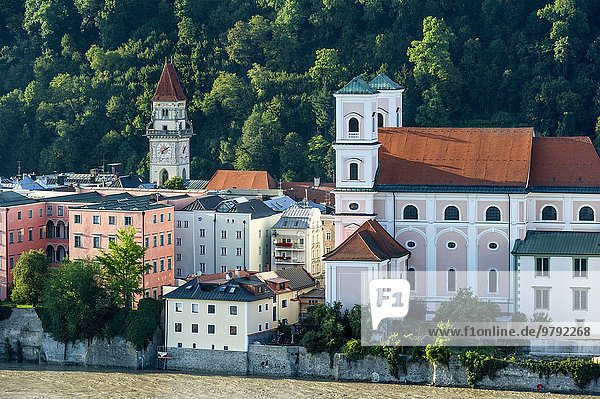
column 169, row 130
column 458, row 199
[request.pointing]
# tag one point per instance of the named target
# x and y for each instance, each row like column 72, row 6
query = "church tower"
column 169, row 131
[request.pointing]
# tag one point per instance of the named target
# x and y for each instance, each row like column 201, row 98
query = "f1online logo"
column 388, row 299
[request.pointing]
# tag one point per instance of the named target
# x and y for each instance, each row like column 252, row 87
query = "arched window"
column 165, row 113
column 549, row 213
column 451, row 213
column 492, row 214
column 183, row 174
column 411, row 212
column 493, row 281
column 353, row 171
column 451, row 280
column 379, row 119
column 353, row 125
column 586, row 214
column 410, row 276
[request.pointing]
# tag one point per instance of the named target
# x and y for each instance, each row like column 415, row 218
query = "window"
column 223, row 269
column 586, row 214
column 328, row 235
column 179, row 223
column 411, row 212
column 178, row 257
column 186, row 224
column 178, row 307
column 194, row 328
column 169, row 265
column 202, row 233
column 96, row 241
column 284, row 322
column 260, row 327
column 411, row 244
column 580, row 267
column 549, row 213
column 178, row 242
column 30, row 232
column 162, row 240
column 451, row 213
column 542, row 298
column 223, row 251
column 20, row 235
column 60, row 210
column 162, row 217
column 154, row 267
column 223, row 234
column 147, row 241
column 11, row 262
column 451, row 245
column 353, row 171
column 238, row 234
column 542, row 266
column 284, row 303
column 211, row 329
column 211, row 309
column 353, row 206
column 493, row 281
column 327, row 249
column 232, row 330
column 112, row 239
column 233, row 310
column 162, row 265
column 154, row 219
column 203, row 267
column 41, row 232
column 41, row 212
column 353, row 127
column 112, row 220
column 260, row 250
column 379, row 119
column 238, row 252
column 169, row 217
column 194, row 345
column 259, row 308
column 259, row 233
column 195, row 308
column 154, row 240
column 580, row 299
column 451, row 280
column 127, row 221
column 202, row 249
column 266, row 326
column 49, row 210
column 266, row 306
column 30, row 214
column 492, row 214
column 411, row 277
column 168, row 238
column 77, row 219
column 19, row 215
column 225, row 348
column 179, row 345
column 96, row 219
column 11, row 237
column 77, row 240
column 178, row 327
column 492, row 246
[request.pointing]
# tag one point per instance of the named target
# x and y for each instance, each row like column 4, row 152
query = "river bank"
column 53, row 382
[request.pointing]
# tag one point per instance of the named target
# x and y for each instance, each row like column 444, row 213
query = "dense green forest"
column 76, row 76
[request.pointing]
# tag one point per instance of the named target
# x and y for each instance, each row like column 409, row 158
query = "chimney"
column 93, row 175
column 155, row 197
column 316, row 182
column 60, row 180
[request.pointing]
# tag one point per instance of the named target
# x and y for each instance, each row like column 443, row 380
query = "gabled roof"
column 232, row 290
column 383, row 82
column 298, row 277
column 564, row 161
column 242, row 179
column 195, row 184
column 558, row 243
column 280, row 204
column 357, row 86
column 255, row 207
column 370, row 242
column 207, row 203
column 168, row 88
column 130, row 181
column 299, row 190
column 10, row 198
column 454, row 156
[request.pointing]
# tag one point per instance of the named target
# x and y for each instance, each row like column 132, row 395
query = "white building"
column 213, row 235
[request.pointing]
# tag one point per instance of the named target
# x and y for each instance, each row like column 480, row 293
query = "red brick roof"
column 370, row 242
column 564, row 161
column 298, row 190
column 455, row 156
column 243, row 179
column 168, row 88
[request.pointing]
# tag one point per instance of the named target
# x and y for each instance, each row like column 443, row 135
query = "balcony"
column 178, row 132
column 288, row 260
column 287, row 246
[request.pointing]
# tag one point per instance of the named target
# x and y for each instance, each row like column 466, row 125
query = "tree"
column 319, row 157
column 174, row 183
column 28, row 277
column 293, row 158
column 75, row 301
column 122, row 267
column 327, row 329
column 466, row 307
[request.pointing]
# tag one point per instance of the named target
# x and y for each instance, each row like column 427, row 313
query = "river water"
column 34, row 381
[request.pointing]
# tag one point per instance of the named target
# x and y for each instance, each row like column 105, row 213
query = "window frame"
column 544, row 265
column 579, row 273
column 410, row 206
column 451, row 269
column 582, row 207
column 547, row 206
column 487, row 219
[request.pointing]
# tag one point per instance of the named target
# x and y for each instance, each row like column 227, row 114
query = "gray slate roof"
column 291, row 223
column 10, row 198
column 91, row 197
column 254, row 207
column 195, row 184
column 280, row 204
column 298, row 276
column 558, row 243
column 213, row 292
column 208, row 203
column 139, row 203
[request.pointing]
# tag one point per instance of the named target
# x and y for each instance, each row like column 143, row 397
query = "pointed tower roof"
column 357, row 86
column 370, row 242
column 383, row 82
column 168, row 88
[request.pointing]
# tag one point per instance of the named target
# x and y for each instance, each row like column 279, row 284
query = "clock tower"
column 169, row 130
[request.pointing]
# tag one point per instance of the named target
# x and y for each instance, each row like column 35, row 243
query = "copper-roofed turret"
column 168, row 88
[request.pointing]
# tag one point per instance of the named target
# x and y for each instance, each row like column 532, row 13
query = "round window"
column 411, row 244
column 353, row 206
column 493, row 246
column 451, row 245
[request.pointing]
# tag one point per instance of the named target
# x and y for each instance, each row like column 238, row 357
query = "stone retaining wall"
column 208, row 361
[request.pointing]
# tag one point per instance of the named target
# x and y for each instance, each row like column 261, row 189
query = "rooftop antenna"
column 18, row 169
column 165, row 60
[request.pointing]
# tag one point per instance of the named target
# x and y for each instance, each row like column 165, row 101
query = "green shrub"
column 143, row 322
column 480, row 365
column 438, row 355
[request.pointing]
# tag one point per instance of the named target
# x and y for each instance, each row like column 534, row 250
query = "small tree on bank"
column 28, row 277
column 466, row 307
column 174, row 183
column 123, row 268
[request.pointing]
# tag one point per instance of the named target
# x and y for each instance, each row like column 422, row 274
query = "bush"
column 143, row 322
column 480, row 365
column 438, row 355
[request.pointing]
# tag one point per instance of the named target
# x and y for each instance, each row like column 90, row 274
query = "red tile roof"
column 455, row 156
column 298, row 190
column 168, row 88
column 242, row 179
column 564, row 161
column 370, row 242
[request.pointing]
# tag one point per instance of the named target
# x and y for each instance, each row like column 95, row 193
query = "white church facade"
column 458, row 199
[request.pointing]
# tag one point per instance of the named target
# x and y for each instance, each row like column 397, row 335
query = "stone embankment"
column 39, row 346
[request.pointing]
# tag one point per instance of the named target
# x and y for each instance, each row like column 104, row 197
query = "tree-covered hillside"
column 76, row 76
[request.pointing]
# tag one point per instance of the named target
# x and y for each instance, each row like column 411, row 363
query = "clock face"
column 162, row 153
column 184, row 154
